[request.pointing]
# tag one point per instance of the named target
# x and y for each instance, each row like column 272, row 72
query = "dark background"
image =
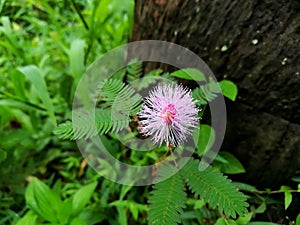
column 256, row 44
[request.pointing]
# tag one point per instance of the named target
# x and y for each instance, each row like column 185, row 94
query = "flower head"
column 169, row 114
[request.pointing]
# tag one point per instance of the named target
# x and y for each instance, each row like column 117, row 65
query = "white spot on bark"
column 283, row 61
column 224, row 48
column 254, row 41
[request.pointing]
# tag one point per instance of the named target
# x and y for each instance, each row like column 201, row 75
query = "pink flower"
column 169, row 114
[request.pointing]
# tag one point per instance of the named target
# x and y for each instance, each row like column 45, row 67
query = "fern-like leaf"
column 134, row 70
column 117, row 102
column 206, row 93
column 215, row 189
column 148, row 79
column 85, row 127
column 122, row 98
column 64, row 130
column 166, row 201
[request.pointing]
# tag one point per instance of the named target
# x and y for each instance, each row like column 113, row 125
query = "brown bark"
column 257, row 45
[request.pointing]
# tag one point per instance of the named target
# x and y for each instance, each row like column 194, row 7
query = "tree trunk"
column 256, row 44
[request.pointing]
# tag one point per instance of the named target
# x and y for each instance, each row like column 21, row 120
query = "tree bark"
column 256, row 44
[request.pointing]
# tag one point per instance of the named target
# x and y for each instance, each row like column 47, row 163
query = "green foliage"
column 148, row 79
column 262, row 223
column 168, row 197
column 223, row 221
column 243, row 186
column 134, row 70
column 46, row 47
column 39, row 197
column 29, row 219
column 298, row 220
column 287, row 196
column 208, row 92
column 110, row 22
column 120, row 97
column 204, row 138
column 229, row 89
column 118, row 103
column 104, row 122
column 166, row 201
column 34, row 75
column 228, row 163
column 215, row 189
column 189, row 74
column 244, row 219
column 261, row 201
column 82, row 197
column 133, row 207
column 3, row 155
column 76, row 57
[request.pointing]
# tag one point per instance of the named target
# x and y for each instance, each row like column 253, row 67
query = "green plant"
column 261, row 200
column 46, row 47
column 44, row 52
column 39, row 197
column 113, row 92
column 168, row 197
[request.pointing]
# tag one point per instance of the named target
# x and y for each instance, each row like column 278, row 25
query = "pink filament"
column 168, row 114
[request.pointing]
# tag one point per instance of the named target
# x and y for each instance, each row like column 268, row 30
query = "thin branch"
column 170, row 147
column 270, row 192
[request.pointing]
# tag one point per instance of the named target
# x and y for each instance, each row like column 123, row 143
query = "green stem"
column 271, row 192
column 80, row 15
